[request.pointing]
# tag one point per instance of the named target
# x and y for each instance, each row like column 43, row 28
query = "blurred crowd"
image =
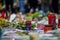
column 25, row 6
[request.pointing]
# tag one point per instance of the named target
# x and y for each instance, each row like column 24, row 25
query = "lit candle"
column 28, row 25
column 52, row 20
column 58, row 22
column 13, row 39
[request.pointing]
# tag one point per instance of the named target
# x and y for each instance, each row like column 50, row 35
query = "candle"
column 52, row 20
column 47, row 28
column 34, row 36
column 3, row 13
column 58, row 22
column 28, row 25
column 13, row 39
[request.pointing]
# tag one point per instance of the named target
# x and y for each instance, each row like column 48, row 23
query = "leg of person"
column 27, row 9
column 55, row 5
column 7, row 5
column 11, row 4
column 39, row 6
column 35, row 7
column 21, row 4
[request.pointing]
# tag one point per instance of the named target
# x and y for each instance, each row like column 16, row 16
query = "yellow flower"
column 31, row 15
column 1, row 21
column 0, row 6
column 7, row 23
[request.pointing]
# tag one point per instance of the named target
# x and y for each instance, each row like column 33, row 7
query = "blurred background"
column 25, row 6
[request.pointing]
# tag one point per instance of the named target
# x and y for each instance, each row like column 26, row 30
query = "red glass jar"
column 58, row 22
column 28, row 25
column 47, row 28
column 52, row 20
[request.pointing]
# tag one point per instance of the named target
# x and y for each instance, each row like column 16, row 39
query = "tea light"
column 13, row 39
column 34, row 36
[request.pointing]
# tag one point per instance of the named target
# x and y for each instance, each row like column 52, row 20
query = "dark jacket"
column 0, row 32
column 9, row 1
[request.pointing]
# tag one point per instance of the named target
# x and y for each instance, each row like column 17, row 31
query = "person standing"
column 27, row 6
column 9, row 5
column 39, row 4
column 33, row 4
column 22, row 6
column 55, row 5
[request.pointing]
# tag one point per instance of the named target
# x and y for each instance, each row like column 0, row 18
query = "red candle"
column 3, row 14
column 58, row 22
column 28, row 23
column 47, row 29
column 52, row 20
